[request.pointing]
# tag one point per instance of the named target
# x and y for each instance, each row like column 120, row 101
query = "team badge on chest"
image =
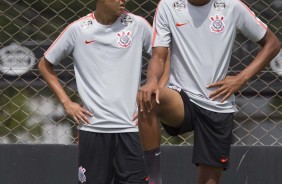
column 124, row 39
column 217, row 23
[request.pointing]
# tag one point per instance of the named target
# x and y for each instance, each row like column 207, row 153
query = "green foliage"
column 15, row 113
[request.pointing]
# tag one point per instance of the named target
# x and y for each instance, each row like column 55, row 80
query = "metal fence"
column 30, row 113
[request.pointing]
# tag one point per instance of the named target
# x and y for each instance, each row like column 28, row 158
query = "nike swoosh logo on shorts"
column 157, row 154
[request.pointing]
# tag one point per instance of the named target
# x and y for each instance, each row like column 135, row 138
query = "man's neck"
column 104, row 18
column 199, row 2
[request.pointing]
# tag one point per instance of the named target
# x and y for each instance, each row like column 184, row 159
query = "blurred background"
column 30, row 113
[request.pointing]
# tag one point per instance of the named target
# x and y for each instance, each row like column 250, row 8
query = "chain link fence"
column 30, row 113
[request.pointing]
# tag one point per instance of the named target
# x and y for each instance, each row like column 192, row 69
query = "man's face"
column 115, row 6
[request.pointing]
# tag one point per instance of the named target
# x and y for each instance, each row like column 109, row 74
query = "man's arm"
column 270, row 48
column 73, row 109
column 155, row 71
column 161, row 84
column 165, row 76
column 156, row 65
column 231, row 84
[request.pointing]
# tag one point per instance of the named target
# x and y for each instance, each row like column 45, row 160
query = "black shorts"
column 212, row 133
column 111, row 158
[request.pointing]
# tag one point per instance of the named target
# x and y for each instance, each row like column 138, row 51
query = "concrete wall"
column 57, row 164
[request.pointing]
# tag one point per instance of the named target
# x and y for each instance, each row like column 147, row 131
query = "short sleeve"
column 248, row 24
column 147, row 37
column 161, row 31
column 62, row 46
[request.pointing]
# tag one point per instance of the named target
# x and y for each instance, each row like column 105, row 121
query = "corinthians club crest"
column 81, row 174
column 124, row 39
column 217, row 24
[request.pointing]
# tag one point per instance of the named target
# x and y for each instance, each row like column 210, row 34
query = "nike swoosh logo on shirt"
column 89, row 41
column 181, row 24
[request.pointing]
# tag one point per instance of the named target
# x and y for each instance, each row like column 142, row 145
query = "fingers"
column 226, row 97
column 221, row 92
column 157, row 96
column 217, row 93
column 147, row 101
column 136, row 123
column 140, row 101
column 80, row 117
column 87, row 112
column 135, row 116
column 79, row 114
column 144, row 100
column 84, row 119
column 225, row 89
column 75, row 119
column 215, row 84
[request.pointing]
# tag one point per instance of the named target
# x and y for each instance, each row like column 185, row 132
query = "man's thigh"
column 171, row 108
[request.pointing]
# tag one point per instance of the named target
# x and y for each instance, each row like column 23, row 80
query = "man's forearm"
column 51, row 79
column 270, row 48
column 157, row 65
column 155, row 71
column 165, row 76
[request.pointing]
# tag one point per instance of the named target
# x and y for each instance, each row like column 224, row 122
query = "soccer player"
column 106, row 47
column 200, row 97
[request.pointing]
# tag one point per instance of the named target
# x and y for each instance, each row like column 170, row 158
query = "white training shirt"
column 107, row 64
column 201, row 40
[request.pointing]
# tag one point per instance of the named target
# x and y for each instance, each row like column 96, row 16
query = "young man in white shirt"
column 200, row 98
column 106, row 47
